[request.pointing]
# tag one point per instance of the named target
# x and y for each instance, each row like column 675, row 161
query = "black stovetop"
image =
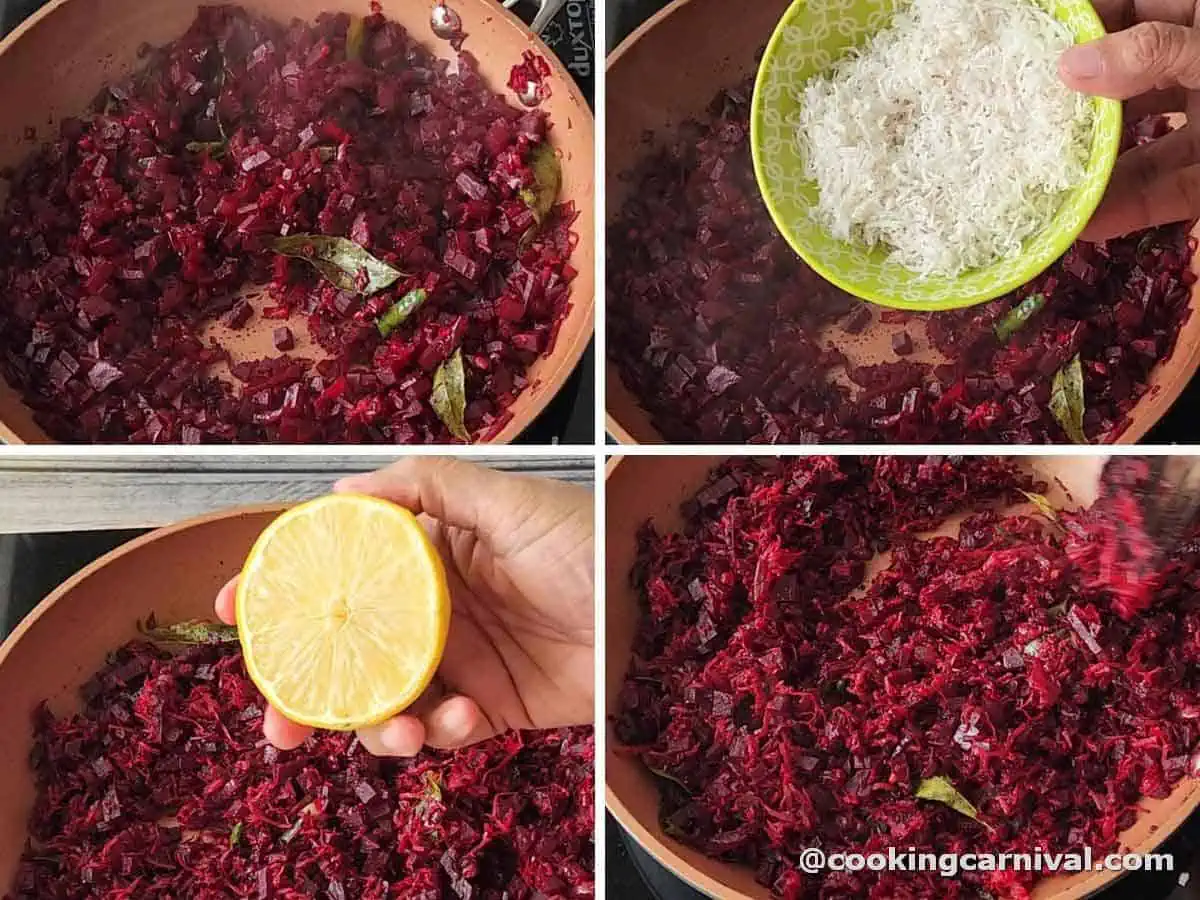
column 568, row 418
column 41, row 562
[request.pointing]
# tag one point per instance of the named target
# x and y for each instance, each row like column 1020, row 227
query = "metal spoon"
column 1171, row 501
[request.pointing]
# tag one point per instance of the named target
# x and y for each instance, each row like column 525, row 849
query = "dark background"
column 568, row 419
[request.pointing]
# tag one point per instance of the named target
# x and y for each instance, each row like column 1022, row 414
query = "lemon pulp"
column 342, row 611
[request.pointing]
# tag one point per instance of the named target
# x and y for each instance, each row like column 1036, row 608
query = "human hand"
column 518, row 553
column 1152, row 60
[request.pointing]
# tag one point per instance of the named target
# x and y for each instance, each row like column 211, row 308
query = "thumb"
column 1147, row 57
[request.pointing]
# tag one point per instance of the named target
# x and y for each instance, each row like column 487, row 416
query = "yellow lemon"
column 342, row 611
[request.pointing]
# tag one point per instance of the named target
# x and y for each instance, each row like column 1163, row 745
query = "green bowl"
column 810, row 38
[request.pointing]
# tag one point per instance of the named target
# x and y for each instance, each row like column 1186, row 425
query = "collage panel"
column 379, row 724
column 830, row 222
column 875, row 676
column 330, row 222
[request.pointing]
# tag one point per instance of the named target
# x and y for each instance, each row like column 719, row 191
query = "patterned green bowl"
column 810, row 37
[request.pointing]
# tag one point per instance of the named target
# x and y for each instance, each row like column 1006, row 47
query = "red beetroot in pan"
column 142, row 221
column 784, row 707
column 163, row 787
column 723, row 334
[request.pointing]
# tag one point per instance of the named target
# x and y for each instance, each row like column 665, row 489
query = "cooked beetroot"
column 283, row 339
column 698, row 277
column 528, row 78
column 1116, row 554
column 784, row 705
column 147, row 218
column 239, row 314
column 164, row 788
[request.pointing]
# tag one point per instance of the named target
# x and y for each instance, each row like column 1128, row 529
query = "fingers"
column 1152, row 185
column 1146, row 164
column 1118, row 14
column 457, row 493
column 282, row 732
column 1091, row 468
column 399, row 736
column 446, row 489
column 452, row 723
column 226, row 601
column 1149, row 56
column 1175, row 197
column 1156, row 103
column 456, row 722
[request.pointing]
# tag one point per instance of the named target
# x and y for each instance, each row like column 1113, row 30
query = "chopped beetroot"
column 783, row 704
column 238, row 315
column 139, row 224
column 528, row 78
column 164, row 788
column 858, row 319
column 720, row 379
column 284, row 339
column 697, row 271
column 103, row 375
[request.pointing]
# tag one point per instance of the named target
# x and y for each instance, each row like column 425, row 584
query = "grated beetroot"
column 163, row 787
column 141, row 223
column 1116, row 554
column 699, row 278
column 528, row 78
column 784, row 705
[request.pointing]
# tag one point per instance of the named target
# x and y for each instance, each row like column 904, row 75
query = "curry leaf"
column 1042, row 504
column 661, row 774
column 433, row 785
column 354, row 37
column 287, row 836
column 344, row 263
column 1016, row 317
column 215, row 149
column 216, row 100
column 940, row 789
column 401, row 310
column 193, row 631
column 449, row 397
column 235, row 836
column 547, row 181
column 1066, row 399
column 672, row 829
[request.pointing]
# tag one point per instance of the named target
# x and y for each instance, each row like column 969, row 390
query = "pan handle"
column 547, row 10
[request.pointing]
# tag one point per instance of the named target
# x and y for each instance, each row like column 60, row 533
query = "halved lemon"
column 342, row 611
